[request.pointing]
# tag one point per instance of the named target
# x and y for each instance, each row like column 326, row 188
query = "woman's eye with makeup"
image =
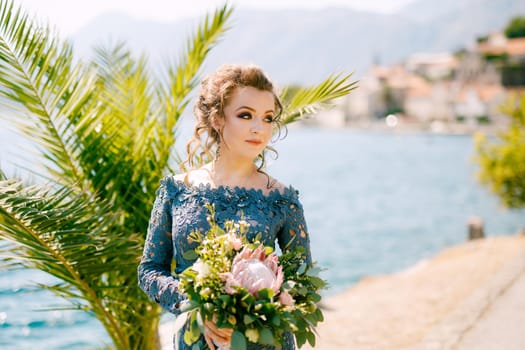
column 268, row 119
column 245, row 115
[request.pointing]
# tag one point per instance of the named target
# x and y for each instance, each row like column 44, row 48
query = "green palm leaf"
column 307, row 101
column 42, row 88
column 59, row 233
column 183, row 77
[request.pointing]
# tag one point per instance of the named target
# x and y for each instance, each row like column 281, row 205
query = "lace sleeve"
column 294, row 231
column 154, row 270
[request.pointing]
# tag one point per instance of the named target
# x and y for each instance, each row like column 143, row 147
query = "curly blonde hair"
column 215, row 92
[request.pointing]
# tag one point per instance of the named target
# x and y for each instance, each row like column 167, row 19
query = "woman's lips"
column 254, row 142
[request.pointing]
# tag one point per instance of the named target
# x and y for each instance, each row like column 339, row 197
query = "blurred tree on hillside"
column 502, row 161
column 515, row 28
column 393, row 100
column 105, row 131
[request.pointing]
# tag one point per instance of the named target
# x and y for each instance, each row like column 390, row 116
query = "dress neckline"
column 288, row 191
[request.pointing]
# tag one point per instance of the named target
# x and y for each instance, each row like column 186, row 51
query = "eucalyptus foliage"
column 105, row 131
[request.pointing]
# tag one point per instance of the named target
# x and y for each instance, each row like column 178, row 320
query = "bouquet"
column 248, row 288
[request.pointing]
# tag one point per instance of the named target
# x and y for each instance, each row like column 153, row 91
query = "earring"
column 218, row 149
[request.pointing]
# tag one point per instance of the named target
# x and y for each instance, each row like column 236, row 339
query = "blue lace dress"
column 180, row 209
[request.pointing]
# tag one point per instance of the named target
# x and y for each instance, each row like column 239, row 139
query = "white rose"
column 202, row 269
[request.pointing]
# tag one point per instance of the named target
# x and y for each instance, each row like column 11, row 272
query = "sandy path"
column 429, row 306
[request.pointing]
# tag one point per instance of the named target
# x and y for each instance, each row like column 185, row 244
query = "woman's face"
column 247, row 124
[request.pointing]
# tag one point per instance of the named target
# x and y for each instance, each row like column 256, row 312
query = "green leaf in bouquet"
column 319, row 314
column 238, row 341
column 287, row 316
column 287, row 285
column 247, row 300
column 270, row 308
column 226, row 299
column 315, row 297
column 301, row 290
column 194, row 295
column 311, row 338
column 311, row 307
column 268, row 250
column 302, row 268
column 266, row 337
column 314, row 271
column 193, row 332
column 199, row 321
column 276, row 320
column 266, row 294
column 193, row 317
column 188, row 338
column 293, row 326
column 299, row 319
column 317, row 282
column 247, row 319
column 312, row 318
column 299, row 251
column 209, row 309
column 190, row 305
column 190, row 255
column 221, row 319
column 300, row 338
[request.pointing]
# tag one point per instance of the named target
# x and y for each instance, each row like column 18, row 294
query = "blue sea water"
column 375, row 203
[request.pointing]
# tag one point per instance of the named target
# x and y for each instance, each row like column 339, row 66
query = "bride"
column 237, row 113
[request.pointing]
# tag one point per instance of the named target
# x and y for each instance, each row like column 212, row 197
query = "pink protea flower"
column 253, row 270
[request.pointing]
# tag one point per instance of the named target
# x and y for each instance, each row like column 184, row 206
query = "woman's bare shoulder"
column 179, row 177
column 194, row 176
column 277, row 185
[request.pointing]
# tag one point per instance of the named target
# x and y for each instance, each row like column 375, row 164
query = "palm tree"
column 105, row 130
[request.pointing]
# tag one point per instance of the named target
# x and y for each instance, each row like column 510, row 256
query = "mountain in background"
column 304, row 46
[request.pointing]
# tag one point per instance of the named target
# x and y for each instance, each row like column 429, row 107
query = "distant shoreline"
column 452, row 129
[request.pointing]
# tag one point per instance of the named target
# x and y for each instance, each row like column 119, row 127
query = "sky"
column 69, row 16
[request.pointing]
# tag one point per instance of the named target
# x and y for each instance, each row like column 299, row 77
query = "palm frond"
column 183, row 78
column 66, row 236
column 307, row 101
column 114, row 152
column 41, row 88
column 59, row 232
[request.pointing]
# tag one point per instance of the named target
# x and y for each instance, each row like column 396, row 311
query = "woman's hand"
column 216, row 336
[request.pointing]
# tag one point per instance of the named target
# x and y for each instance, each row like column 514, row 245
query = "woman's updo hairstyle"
column 214, row 94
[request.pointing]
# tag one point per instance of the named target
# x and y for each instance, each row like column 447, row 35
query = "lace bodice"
column 180, row 209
